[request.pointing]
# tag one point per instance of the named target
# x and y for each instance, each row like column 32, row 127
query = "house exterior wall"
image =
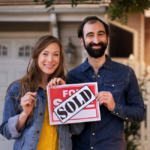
column 135, row 25
column 147, row 41
column 135, row 22
column 65, row 34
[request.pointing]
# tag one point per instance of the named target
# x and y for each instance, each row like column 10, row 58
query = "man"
column 118, row 92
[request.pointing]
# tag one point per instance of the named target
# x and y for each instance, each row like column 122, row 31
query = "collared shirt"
column 120, row 80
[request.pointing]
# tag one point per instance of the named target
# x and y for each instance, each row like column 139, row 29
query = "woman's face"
column 49, row 59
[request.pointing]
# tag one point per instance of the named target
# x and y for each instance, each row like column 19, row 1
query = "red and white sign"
column 62, row 93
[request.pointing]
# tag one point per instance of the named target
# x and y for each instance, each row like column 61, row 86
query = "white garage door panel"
column 6, row 75
column 3, row 77
column 19, row 73
column 12, row 67
column 6, row 144
column 1, row 114
column 7, row 44
column 2, row 138
column 2, row 103
column 2, row 93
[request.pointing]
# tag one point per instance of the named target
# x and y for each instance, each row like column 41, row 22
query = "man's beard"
column 95, row 52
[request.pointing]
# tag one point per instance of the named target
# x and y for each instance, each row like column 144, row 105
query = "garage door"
column 14, row 57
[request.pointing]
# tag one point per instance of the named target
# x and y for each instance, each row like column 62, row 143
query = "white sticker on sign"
column 75, row 103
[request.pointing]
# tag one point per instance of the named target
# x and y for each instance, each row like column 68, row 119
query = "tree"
column 122, row 8
column 117, row 9
column 132, row 136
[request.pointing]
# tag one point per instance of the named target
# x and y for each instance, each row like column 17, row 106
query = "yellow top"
column 49, row 136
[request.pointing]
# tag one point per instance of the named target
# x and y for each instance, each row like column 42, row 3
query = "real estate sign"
column 73, row 103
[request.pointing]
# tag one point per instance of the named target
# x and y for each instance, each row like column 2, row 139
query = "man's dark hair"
column 91, row 19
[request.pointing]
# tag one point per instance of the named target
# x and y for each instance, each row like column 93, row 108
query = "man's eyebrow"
column 89, row 33
column 101, row 31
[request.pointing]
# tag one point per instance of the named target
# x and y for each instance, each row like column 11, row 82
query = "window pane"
column 31, row 50
column 27, row 47
column 4, row 48
column 20, row 54
column 27, row 53
column 121, row 42
column 4, row 53
column 21, row 48
column 21, row 51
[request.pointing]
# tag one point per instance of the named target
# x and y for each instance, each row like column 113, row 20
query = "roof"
column 56, row 2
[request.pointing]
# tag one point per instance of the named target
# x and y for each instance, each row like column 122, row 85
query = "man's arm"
column 133, row 108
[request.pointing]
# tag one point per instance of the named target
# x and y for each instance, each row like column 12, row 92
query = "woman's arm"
column 12, row 121
column 10, row 115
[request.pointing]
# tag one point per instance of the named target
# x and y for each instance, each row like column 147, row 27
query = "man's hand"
column 106, row 99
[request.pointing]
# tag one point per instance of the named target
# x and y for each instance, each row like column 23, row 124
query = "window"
column 25, row 51
column 121, row 42
column 3, row 50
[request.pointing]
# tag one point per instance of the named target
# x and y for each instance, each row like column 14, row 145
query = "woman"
column 25, row 116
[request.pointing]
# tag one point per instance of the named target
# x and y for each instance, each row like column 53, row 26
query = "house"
column 21, row 26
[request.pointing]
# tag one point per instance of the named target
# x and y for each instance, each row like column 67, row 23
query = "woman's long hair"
column 33, row 74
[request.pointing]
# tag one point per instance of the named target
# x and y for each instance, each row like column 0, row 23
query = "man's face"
column 95, row 39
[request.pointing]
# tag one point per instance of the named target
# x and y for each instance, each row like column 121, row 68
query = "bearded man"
column 118, row 91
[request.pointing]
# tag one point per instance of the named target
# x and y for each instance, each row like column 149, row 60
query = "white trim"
column 147, row 13
column 73, row 17
column 142, row 38
column 40, row 13
column 77, row 17
column 58, row 9
column 25, row 17
column 135, row 36
column 23, row 34
column 54, row 24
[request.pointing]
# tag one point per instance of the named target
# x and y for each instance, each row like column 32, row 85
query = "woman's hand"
column 27, row 102
column 55, row 82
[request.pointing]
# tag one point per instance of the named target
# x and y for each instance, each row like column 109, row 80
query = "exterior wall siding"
column 147, row 41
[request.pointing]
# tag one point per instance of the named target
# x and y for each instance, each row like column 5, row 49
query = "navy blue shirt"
column 120, row 80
